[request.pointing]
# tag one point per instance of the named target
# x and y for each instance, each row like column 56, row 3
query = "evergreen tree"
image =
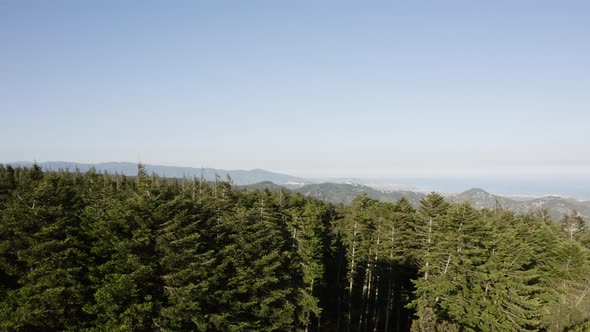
column 311, row 241
column 124, row 273
column 254, row 269
column 400, row 254
column 186, row 256
column 355, row 230
column 428, row 217
column 567, row 276
column 508, row 282
column 573, row 224
column 52, row 257
column 7, row 182
column 432, row 210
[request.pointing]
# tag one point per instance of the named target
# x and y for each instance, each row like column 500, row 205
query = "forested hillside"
column 554, row 206
column 100, row 252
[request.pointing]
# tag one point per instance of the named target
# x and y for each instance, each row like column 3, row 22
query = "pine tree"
column 52, row 254
column 508, row 288
column 355, row 230
column 254, row 270
column 573, row 224
column 567, row 275
column 400, row 253
column 186, row 255
column 7, row 183
column 124, row 273
column 311, row 241
column 429, row 216
column 457, row 251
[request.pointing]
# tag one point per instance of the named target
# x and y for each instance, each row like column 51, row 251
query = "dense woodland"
column 99, row 252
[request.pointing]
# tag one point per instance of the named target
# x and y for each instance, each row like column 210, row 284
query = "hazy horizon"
column 461, row 89
column 575, row 187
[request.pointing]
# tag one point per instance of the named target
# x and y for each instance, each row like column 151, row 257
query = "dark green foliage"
column 95, row 252
column 186, row 259
column 124, row 273
column 50, row 256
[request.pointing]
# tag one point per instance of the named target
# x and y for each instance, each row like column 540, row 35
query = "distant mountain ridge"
column 239, row 177
column 344, row 193
column 556, row 206
column 338, row 193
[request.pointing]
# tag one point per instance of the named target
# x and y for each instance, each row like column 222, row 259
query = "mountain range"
column 338, row 193
column 556, row 206
column 344, row 193
column 238, row 177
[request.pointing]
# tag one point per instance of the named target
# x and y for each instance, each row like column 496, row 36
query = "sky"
column 495, row 89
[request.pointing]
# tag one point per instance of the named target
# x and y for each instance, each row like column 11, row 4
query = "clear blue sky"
column 318, row 88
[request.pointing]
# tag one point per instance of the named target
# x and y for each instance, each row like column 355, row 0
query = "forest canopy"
column 105, row 252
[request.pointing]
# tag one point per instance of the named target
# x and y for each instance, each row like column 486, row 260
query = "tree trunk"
column 429, row 241
column 375, row 285
column 375, row 305
column 351, row 277
column 365, row 294
column 389, row 305
column 311, row 293
column 389, row 295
